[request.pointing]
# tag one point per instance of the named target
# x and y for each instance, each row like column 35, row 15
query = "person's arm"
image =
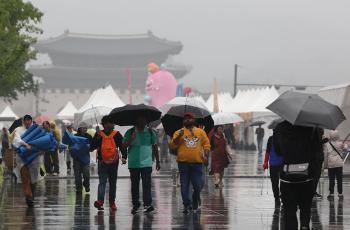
column 206, row 147
column 18, row 142
column 118, row 138
column 129, row 137
column 95, row 142
column 176, row 139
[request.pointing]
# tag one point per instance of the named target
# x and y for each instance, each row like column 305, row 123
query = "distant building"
column 80, row 63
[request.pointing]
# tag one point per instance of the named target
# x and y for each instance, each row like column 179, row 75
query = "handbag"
column 296, row 171
column 228, row 152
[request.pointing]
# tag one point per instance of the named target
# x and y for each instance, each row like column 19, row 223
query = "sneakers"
column 148, row 209
column 187, row 210
column 99, row 205
column 341, row 196
column 55, row 174
column 135, row 210
column 30, row 203
column 87, row 189
column 68, row 171
column 317, row 196
column 112, row 206
column 330, row 196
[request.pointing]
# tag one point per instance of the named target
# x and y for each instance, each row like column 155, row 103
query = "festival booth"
column 251, row 106
column 7, row 116
column 67, row 112
column 340, row 96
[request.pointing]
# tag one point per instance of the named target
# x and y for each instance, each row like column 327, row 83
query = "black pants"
column 334, row 173
column 81, row 170
column 318, row 172
column 275, row 172
column 135, row 175
column 294, row 196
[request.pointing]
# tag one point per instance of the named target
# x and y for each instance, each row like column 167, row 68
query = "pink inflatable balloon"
column 161, row 87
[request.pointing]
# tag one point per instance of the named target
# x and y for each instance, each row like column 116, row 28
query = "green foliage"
column 18, row 27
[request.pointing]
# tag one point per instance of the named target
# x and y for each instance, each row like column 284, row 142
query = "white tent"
column 8, row 112
column 340, row 96
column 252, row 100
column 105, row 97
column 224, row 99
column 67, row 113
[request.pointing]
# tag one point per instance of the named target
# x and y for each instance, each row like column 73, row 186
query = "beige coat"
column 331, row 157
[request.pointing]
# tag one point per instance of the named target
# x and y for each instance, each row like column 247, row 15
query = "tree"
column 18, row 27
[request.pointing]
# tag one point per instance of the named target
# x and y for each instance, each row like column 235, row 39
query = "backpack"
column 109, row 152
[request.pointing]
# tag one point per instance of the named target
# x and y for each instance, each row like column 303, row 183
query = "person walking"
column 319, row 160
column 107, row 142
column 334, row 163
column 140, row 142
column 54, row 154
column 70, row 130
column 28, row 174
column 5, row 142
column 48, row 155
column 298, row 146
column 260, row 133
column 193, row 147
column 219, row 156
column 275, row 163
column 81, row 166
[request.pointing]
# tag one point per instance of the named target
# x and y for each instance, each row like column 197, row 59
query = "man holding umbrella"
column 189, row 142
column 141, row 142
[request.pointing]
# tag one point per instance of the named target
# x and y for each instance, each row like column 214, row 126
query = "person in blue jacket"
column 275, row 162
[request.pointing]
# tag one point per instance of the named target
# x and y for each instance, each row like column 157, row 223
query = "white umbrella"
column 182, row 101
column 226, row 118
column 94, row 115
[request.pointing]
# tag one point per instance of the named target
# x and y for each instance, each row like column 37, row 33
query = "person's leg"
column 47, row 162
column 68, row 161
column 146, row 174
column 339, row 176
column 317, row 176
column 216, row 179
column 135, row 187
column 221, row 178
column 55, row 162
column 102, row 181
column 77, row 175
column 196, row 180
column 290, row 206
column 86, row 176
column 331, row 176
column 26, row 185
column 305, row 193
column 274, row 176
column 112, row 180
column 184, row 169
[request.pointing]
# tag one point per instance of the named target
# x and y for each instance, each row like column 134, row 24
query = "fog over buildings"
column 274, row 42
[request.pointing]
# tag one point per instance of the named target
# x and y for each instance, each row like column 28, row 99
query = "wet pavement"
column 241, row 204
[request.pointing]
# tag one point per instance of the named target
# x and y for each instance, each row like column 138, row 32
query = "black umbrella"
column 173, row 119
column 128, row 114
column 257, row 123
column 17, row 123
column 304, row 109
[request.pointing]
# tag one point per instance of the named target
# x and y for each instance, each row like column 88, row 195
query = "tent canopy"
column 67, row 112
column 105, row 97
column 8, row 112
column 224, row 99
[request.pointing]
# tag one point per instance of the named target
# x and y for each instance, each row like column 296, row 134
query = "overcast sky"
column 274, row 41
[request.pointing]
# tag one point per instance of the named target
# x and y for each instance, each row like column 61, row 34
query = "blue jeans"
column 190, row 173
column 110, row 172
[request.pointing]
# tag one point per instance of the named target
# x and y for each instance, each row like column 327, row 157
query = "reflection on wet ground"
column 241, row 204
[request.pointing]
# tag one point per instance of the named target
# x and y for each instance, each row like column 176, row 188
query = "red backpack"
column 109, row 151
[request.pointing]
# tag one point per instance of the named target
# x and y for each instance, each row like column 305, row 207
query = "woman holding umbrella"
column 219, row 157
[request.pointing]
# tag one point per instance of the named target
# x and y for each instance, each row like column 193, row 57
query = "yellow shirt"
column 190, row 147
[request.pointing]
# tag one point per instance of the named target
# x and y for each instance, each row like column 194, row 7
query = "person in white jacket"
column 28, row 175
column 333, row 161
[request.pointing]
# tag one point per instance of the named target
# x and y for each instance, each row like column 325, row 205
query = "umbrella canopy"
column 226, row 118
column 183, row 101
column 17, row 123
column 173, row 119
column 257, row 123
column 94, row 115
column 304, row 109
column 128, row 114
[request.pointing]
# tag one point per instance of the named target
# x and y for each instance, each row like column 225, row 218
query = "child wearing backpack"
column 107, row 142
